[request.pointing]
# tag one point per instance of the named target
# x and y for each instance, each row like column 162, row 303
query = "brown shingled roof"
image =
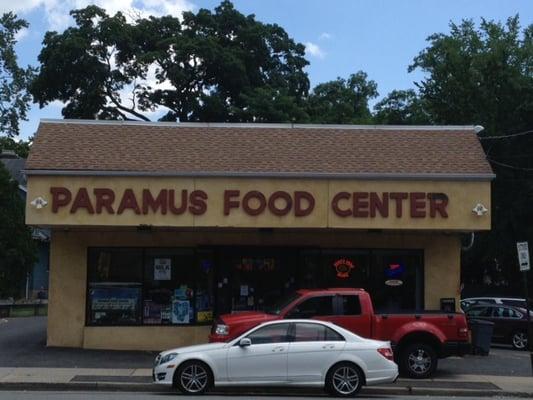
column 220, row 149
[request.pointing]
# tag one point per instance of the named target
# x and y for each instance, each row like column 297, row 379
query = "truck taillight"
column 386, row 352
column 462, row 332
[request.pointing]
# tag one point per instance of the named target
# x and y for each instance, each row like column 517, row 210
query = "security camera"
column 480, row 210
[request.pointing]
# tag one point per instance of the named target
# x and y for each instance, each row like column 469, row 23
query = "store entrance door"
column 249, row 278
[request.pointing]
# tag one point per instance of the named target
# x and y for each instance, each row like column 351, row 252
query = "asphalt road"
column 163, row 396
column 23, row 344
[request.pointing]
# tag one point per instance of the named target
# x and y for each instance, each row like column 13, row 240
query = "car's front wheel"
column 193, row 377
column 519, row 340
column 344, row 379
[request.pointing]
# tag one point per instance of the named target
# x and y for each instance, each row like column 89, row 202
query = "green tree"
column 17, row 249
column 14, row 80
column 484, row 75
column 342, row 101
column 211, row 66
column 21, row 148
column 401, row 107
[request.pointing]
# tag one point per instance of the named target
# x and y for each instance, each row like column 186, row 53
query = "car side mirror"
column 245, row 342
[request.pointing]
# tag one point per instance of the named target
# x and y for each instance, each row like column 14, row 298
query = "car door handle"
column 278, row 348
column 328, row 346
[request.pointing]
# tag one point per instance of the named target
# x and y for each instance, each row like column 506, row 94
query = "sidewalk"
column 139, row 380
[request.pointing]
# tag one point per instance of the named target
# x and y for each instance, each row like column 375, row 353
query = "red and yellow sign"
column 239, row 202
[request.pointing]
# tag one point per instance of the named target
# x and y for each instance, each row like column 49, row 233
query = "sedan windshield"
column 278, row 306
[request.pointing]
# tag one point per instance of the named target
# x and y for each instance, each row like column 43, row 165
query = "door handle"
column 328, row 346
column 278, row 348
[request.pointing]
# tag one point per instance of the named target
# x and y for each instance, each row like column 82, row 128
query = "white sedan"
column 280, row 353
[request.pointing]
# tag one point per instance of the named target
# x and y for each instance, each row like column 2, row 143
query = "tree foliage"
column 484, row 76
column 480, row 75
column 342, row 101
column 211, row 66
column 401, row 107
column 21, row 147
column 17, row 249
column 14, row 80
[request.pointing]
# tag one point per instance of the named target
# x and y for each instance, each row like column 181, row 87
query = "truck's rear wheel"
column 418, row 360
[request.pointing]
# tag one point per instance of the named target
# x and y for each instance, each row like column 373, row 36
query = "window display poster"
column 205, row 316
column 166, row 314
column 115, row 299
column 181, row 312
column 152, row 312
column 162, row 269
column 182, row 293
column 115, row 305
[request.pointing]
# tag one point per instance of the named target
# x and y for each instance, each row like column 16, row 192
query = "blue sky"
column 380, row 37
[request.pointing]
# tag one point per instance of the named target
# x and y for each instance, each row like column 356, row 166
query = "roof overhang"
column 263, row 175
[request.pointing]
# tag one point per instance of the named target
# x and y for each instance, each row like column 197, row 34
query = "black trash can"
column 481, row 336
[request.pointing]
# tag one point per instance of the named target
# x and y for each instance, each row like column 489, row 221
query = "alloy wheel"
column 346, row 380
column 419, row 361
column 194, row 378
column 520, row 340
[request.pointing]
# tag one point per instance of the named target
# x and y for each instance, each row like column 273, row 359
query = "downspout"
column 470, row 243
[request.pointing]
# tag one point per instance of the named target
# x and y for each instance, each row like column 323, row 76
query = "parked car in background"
column 510, row 323
column 419, row 338
column 281, row 353
column 508, row 301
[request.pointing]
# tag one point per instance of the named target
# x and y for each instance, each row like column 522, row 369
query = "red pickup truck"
column 419, row 338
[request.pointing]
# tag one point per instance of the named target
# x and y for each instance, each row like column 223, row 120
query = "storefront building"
column 158, row 228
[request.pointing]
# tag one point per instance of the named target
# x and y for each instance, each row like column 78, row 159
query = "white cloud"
column 19, row 5
column 56, row 12
column 20, row 35
column 325, row 36
column 314, row 50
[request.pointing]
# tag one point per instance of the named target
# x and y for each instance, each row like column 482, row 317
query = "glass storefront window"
column 149, row 286
column 169, row 287
column 114, row 287
column 346, row 268
column 205, row 284
column 184, row 286
column 397, row 280
column 253, row 278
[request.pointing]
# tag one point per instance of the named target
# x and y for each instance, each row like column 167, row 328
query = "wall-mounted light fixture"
column 480, row 210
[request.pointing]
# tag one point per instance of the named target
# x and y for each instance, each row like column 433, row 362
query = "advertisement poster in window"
column 162, row 269
column 115, row 305
column 180, row 311
column 166, row 315
column 152, row 312
column 394, row 274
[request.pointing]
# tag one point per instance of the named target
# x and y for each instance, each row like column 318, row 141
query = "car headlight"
column 157, row 359
column 167, row 358
column 222, row 329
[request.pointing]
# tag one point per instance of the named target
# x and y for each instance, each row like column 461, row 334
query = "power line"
column 509, row 166
column 505, row 136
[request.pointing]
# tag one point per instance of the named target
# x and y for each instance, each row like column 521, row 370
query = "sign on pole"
column 523, row 256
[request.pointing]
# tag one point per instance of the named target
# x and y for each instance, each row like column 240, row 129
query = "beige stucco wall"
column 463, row 196
column 68, row 271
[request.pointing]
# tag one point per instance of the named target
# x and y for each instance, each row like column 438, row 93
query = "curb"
column 151, row 388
